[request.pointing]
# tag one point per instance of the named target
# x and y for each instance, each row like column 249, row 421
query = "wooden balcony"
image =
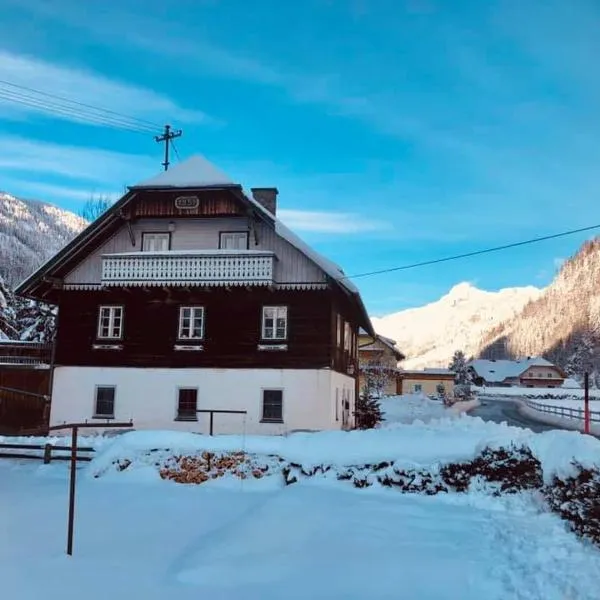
column 201, row 267
column 24, row 354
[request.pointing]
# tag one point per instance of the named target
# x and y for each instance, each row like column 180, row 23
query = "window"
column 233, row 240
column 105, row 402
column 191, row 323
column 156, row 242
column 549, row 375
column 187, row 404
column 347, row 337
column 272, row 406
column 337, row 404
column 417, row 387
column 274, row 322
column 340, row 331
column 110, row 322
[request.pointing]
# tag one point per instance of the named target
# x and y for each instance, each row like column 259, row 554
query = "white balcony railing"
column 207, row 267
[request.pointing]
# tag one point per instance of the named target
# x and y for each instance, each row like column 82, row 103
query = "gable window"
column 272, row 408
column 156, row 242
column 187, row 404
column 191, row 323
column 274, row 322
column 233, row 240
column 105, row 402
column 110, row 322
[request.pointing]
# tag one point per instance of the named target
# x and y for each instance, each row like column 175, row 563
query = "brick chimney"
column 267, row 197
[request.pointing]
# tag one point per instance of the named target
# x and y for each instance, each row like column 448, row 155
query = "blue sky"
column 396, row 131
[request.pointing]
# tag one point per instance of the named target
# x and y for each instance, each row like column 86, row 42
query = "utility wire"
column 175, row 150
column 475, row 253
column 121, row 116
column 66, row 112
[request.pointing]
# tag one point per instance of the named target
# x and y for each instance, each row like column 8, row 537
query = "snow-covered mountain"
column 430, row 334
column 31, row 232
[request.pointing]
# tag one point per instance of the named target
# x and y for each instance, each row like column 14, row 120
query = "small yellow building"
column 427, row 381
column 378, row 359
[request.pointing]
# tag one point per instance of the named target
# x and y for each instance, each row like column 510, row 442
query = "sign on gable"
column 186, row 202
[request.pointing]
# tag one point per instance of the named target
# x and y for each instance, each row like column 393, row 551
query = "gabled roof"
column 195, row 172
column 496, row 371
column 388, row 342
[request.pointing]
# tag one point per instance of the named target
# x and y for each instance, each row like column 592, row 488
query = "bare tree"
column 95, row 206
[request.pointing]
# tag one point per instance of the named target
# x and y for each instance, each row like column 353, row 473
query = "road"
column 501, row 411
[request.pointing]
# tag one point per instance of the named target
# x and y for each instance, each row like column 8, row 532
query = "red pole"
column 586, row 402
column 72, row 491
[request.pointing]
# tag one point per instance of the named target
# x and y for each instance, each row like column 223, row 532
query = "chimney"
column 267, row 197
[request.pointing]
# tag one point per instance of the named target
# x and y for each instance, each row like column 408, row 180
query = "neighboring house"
column 378, row 359
column 529, row 372
column 427, row 381
column 187, row 295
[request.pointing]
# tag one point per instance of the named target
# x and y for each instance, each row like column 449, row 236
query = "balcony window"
column 156, row 242
column 233, row 240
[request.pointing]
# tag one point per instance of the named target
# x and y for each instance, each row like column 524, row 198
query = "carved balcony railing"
column 206, row 267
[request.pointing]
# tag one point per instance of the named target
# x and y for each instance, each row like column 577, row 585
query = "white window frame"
column 279, row 312
column 195, row 311
column 235, row 237
column 115, row 332
column 152, row 238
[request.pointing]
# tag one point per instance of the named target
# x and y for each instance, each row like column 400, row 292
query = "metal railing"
column 563, row 411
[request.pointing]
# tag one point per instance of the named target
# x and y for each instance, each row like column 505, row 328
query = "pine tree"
column 458, row 364
column 35, row 321
column 8, row 316
column 367, row 412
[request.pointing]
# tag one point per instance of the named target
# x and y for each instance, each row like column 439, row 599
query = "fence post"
column 72, row 491
column 586, row 402
column 47, row 454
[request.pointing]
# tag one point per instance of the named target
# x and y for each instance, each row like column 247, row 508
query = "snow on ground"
column 162, row 541
column 138, row 536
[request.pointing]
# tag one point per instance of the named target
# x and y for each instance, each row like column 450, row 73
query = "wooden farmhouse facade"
column 190, row 295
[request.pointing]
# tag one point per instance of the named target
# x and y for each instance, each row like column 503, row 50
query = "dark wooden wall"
column 232, row 328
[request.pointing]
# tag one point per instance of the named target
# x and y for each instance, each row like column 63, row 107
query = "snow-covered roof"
column 498, row 370
column 195, row 172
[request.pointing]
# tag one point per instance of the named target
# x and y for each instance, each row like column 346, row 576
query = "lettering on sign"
column 186, row 202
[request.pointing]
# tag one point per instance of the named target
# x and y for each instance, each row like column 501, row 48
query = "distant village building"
column 529, row 372
column 427, row 381
column 378, row 359
column 189, row 295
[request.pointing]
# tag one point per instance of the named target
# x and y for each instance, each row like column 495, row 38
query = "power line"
column 474, row 253
column 66, row 112
column 175, row 150
column 121, row 116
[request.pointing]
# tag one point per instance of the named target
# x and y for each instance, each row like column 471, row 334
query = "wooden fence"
column 44, row 452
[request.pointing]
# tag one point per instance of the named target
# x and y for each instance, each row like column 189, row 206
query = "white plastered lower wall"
column 149, row 397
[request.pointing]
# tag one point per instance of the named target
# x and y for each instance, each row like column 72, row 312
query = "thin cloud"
column 74, row 162
column 329, row 222
column 85, row 87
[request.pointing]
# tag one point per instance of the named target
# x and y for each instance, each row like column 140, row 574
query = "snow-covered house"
column 378, row 358
column 190, row 295
column 428, row 381
column 528, row 372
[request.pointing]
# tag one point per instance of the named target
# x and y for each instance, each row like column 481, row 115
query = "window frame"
column 179, row 416
column 96, row 414
column 148, row 233
column 275, row 338
column 264, row 419
column 415, row 390
column 233, row 231
column 192, row 308
column 112, row 309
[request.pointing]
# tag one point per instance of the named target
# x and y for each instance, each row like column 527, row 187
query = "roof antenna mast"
column 166, row 137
